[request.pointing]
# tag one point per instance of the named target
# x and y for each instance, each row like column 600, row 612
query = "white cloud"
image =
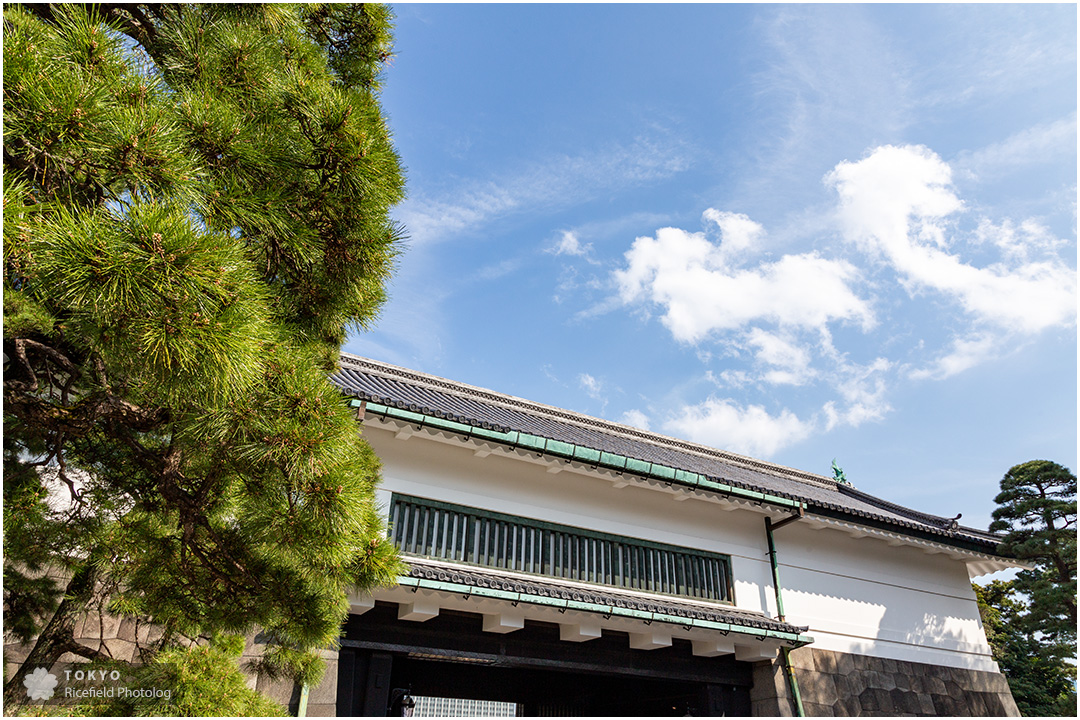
column 590, row 385
column 863, row 389
column 555, row 182
column 881, row 192
column 738, row 231
column 1002, row 51
column 965, row 353
column 748, row 430
column 790, row 364
column 1046, row 142
column 498, row 270
column 728, row 378
column 1018, row 243
column 701, row 291
column 432, row 219
column 894, row 204
column 635, row 418
column 569, row 244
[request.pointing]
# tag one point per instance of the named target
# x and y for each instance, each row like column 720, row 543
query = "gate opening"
column 529, row 672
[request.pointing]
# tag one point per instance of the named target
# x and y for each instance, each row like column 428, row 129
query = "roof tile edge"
column 588, row 421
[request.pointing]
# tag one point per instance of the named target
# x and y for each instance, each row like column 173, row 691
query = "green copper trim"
column 580, row 453
column 790, row 639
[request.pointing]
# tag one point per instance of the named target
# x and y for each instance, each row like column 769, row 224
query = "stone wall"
column 122, row 637
column 840, row 684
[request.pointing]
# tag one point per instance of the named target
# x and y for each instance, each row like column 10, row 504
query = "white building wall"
column 857, row 595
column 864, row 596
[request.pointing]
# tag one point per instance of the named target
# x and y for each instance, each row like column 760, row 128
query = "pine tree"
column 196, row 205
column 1037, row 513
column 1041, row 681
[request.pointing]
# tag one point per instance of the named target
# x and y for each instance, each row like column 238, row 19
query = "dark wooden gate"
column 450, row 656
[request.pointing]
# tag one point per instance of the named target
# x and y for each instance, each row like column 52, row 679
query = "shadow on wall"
column 887, row 613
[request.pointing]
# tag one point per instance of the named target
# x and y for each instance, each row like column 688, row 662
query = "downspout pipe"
column 301, row 710
column 789, row 670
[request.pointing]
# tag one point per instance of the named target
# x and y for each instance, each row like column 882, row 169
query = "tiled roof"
column 593, row 595
column 438, row 397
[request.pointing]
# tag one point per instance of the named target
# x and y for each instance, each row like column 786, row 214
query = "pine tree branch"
column 19, row 351
column 133, row 23
column 96, row 412
column 47, row 175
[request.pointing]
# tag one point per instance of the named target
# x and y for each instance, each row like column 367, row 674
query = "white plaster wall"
column 866, row 596
column 856, row 595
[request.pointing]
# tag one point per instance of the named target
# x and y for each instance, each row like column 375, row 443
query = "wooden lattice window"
column 472, row 536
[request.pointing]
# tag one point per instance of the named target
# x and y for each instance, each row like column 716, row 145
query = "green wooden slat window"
column 443, row 531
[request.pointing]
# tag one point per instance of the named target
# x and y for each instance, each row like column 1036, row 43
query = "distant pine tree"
column 1041, row 681
column 1030, row 621
column 196, row 209
column 1037, row 513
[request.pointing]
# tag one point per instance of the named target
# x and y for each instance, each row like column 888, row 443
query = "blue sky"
column 796, row 232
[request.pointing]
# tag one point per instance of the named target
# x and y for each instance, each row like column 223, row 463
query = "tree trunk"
column 57, row 638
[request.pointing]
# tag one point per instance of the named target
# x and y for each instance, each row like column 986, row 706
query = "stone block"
column 947, row 706
column 997, row 683
column 940, row 671
column 976, row 702
column 1008, row 705
column 876, row 701
column 119, row 649
column 253, row 650
column 926, row 704
column 803, row 659
column 325, row 692
column 903, row 682
column 771, row 707
column 934, row 685
column 849, row 707
column 905, row 703
column 153, row 633
column 95, row 626
column 880, row 680
column 322, row 710
column 281, row 691
column 85, row 625
column 985, row 682
column 144, row 633
column 845, row 663
column 819, row 689
column 825, row 661
column 813, row 709
column 885, row 701
column 850, row 685
column 769, row 681
column 890, row 666
column 16, row 652
column 992, row 706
